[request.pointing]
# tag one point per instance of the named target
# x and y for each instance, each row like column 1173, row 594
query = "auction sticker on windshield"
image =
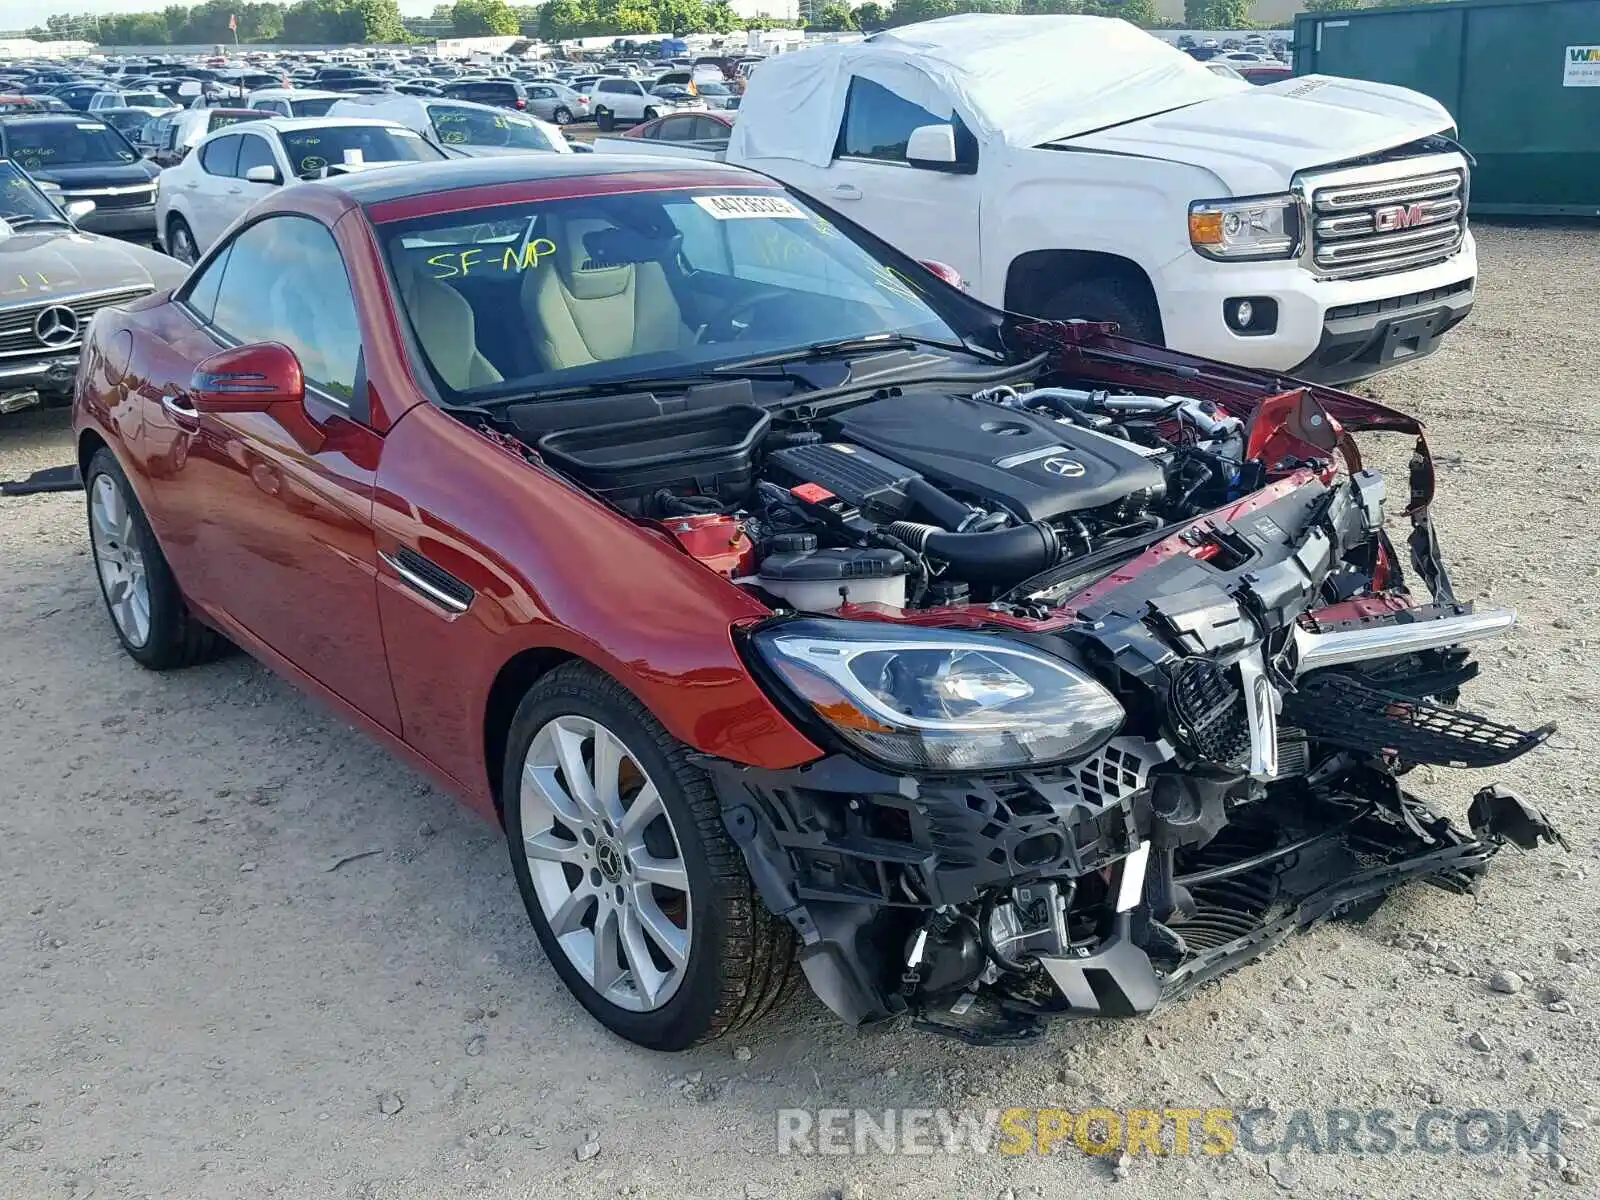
column 732, row 208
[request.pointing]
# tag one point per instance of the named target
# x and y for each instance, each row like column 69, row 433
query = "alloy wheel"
column 606, row 864
column 563, row 117
column 119, row 560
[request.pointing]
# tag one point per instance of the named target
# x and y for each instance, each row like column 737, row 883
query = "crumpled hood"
column 39, row 264
column 1257, row 139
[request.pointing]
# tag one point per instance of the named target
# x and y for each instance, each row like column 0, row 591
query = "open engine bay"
column 1119, row 670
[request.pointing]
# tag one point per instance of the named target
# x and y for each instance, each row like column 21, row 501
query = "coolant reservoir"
column 813, row 580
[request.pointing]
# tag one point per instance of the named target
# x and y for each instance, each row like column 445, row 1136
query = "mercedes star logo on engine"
column 1069, row 468
column 56, row 326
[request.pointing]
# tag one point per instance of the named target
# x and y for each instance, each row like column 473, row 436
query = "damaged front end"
column 1247, row 692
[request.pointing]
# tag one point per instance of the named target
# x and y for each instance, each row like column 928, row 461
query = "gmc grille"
column 16, row 324
column 1364, row 229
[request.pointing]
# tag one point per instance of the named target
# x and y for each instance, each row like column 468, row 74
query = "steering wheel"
column 747, row 308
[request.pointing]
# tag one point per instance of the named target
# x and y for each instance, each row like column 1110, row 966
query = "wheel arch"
column 1036, row 275
column 511, row 683
column 90, row 443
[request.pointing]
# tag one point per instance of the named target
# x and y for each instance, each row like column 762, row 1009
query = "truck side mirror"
column 933, row 148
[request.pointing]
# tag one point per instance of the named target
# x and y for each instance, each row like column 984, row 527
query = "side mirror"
column 79, row 209
column 933, row 148
column 945, row 272
column 263, row 174
column 248, row 379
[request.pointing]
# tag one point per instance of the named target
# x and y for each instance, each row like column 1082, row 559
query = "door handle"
column 183, row 412
column 235, row 191
column 845, row 191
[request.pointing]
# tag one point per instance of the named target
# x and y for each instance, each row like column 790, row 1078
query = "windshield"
column 65, row 144
column 310, row 151
column 317, row 106
column 20, row 200
column 458, row 125
column 561, row 293
column 146, row 100
column 221, row 120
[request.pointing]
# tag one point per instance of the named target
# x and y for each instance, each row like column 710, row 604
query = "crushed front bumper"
column 835, row 845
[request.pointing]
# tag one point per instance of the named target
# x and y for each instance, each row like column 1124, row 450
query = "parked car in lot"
column 129, row 122
column 705, row 133
column 459, row 127
column 556, row 102
column 293, row 102
column 1129, row 183
column 153, row 103
column 1005, row 669
column 53, row 278
column 88, row 160
column 172, row 137
column 497, row 93
column 627, row 102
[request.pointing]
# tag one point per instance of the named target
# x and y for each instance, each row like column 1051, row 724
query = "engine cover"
column 1032, row 467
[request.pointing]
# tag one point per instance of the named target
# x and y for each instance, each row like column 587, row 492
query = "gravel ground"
column 196, row 1003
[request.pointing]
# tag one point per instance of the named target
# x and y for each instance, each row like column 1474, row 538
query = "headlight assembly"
column 1265, row 227
column 939, row 700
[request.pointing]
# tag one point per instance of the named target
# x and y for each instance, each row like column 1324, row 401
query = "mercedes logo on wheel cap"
column 56, row 326
column 1069, row 468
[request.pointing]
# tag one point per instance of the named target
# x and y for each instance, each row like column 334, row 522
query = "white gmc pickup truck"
column 1078, row 167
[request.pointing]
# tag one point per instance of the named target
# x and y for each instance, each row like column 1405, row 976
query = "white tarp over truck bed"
column 1021, row 80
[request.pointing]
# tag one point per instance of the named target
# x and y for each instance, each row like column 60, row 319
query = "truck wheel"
column 641, row 902
column 562, row 116
column 147, row 611
column 603, row 121
column 651, row 114
column 1109, row 299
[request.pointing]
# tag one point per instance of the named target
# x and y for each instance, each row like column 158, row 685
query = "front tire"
column 180, row 242
column 651, row 114
column 641, row 902
column 147, row 610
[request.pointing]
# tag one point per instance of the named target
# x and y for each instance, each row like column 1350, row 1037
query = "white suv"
column 617, row 101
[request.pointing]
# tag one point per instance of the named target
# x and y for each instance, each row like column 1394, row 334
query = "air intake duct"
column 999, row 556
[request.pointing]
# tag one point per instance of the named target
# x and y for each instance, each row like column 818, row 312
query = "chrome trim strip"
column 1313, row 651
column 443, row 600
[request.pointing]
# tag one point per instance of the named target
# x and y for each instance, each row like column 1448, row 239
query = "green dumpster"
column 1521, row 77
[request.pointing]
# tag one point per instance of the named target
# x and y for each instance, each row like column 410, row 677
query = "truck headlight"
column 939, row 700
column 1265, row 227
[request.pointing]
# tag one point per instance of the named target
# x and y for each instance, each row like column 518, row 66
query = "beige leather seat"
column 580, row 313
column 444, row 324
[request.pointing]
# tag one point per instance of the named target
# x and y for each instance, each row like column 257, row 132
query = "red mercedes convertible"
column 787, row 606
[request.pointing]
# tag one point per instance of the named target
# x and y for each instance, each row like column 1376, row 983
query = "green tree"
column 483, row 18
column 720, row 17
column 561, row 19
column 834, row 15
column 1217, row 14
column 679, row 16
column 872, row 15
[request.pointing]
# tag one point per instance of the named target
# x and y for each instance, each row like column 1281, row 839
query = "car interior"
column 574, row 286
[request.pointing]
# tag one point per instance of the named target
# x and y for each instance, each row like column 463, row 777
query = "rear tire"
column 562, row 116
column 1109, row 298
column 603, row 120
column 734, row 958
column 147, row 611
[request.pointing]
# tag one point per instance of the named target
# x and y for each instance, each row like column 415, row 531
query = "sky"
column 20, row 14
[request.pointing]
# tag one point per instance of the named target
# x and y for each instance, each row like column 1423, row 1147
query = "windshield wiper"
column 873, row 341
column 17, row 220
